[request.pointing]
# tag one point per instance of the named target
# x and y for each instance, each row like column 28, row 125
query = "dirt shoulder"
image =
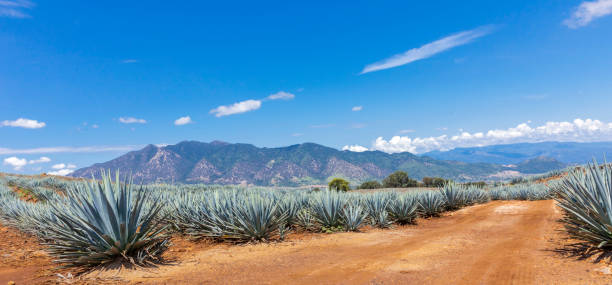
column 509, row 242
column 502, row 242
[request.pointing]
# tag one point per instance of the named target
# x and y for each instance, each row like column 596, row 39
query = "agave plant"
column 376, row 205
column 353, row 216
column 305, row 220
column 404, row 209
column 327, row 208
column 104, row 222
column 431, row 203
column 454, row 196
column 586, row 197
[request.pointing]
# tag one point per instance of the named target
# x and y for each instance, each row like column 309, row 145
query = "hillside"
column 302, row 164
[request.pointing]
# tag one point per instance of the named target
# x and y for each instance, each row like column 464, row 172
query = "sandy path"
column 494, row 243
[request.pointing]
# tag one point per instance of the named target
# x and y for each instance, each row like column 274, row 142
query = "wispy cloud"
column 132, row 120
column 407, row 131
column 358, row 126
column 322, row 126
column 588, row 11
column 357, row 108
column 578, row 130
column 249, row 105
column 42, row 159
column 297, row 134
column 429, row 49
column 68, row 149
column 131, row 60
column 183, row 121
column 236, row 108
column 23, row 123
column 15, row 8
column 281, row 95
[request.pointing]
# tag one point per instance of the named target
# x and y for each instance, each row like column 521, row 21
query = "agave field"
column 89, row 223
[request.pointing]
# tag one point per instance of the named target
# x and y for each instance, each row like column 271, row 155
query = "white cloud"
column 59, row 166
column 281, row 95
column 15, row 162
column 129, row 61
column 14, row 8
column 579, row 130
column 67, row 149
column 183, row 121
column 355, row 148
column 236, row 108
column 71, row 166
column 357, row 108
column 429, row 49
column 588, row 11
column 61, row 172
column 42, row 159
column 132, row 120
column 23, row 123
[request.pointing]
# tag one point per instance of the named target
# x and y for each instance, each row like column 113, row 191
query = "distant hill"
column 302, row 164
column 566, row 152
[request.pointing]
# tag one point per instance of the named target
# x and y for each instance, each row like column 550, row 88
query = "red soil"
column 502, row 242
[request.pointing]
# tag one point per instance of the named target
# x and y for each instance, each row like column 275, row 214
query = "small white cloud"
column 183, row 121
column 14, row 8
column 71, row 166
column 429, row 49
column 59, row 166
column 61, row 172
column 42, row 159
column 15, row 162
column 355, row 148
column 236, row 108
column 281, row 95
column 588, row 11
column 23, row 123
column 357, row 108
column 132, row 120
column 129, row 61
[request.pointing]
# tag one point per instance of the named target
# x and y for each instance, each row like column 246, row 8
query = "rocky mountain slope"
column 302, row 164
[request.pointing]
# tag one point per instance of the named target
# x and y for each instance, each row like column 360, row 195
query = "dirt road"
column 508, row 242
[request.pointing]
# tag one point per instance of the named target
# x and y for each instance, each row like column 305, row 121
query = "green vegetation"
column 373, row 184
column 586, row 197
column 84, row 223
column 434, row 181
column 399, row 179
column 339, row 184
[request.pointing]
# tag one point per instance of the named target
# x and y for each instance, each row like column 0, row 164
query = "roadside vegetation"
column 89, row 223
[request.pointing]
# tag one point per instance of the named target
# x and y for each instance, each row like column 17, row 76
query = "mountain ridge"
column 308, row 163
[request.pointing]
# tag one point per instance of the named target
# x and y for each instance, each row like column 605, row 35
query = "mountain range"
column 566, row 152
column 302, row 164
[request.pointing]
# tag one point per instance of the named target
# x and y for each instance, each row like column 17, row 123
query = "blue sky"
column 90, row 81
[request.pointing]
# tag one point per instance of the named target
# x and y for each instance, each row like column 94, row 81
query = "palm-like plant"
column 376, row 205
column 103, row 222
column 327, row 208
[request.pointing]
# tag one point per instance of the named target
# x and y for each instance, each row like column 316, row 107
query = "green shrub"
column 399, row 179
column 339, row 184
column 370, row 185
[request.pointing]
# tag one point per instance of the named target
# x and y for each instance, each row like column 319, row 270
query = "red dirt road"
column 502, row 242
column 508, row 242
